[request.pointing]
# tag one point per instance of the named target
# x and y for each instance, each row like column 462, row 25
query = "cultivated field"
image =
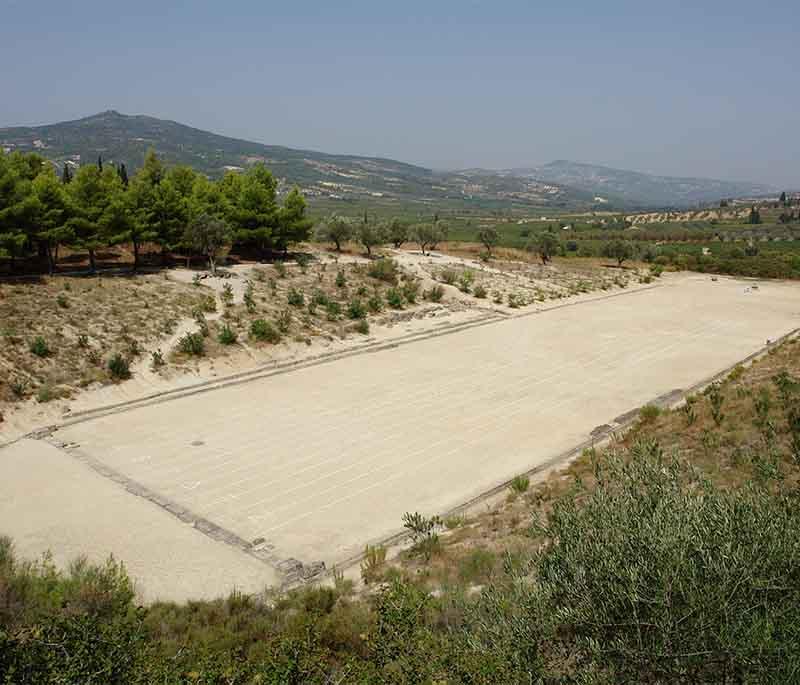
column 312, row 463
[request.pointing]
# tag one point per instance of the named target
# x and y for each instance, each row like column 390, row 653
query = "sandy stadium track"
column 314, row 463
column 52, row 503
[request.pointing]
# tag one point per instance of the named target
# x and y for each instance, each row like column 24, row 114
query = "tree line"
column 174, row 208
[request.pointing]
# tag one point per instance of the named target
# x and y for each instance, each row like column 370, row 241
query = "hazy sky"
column 690, row 88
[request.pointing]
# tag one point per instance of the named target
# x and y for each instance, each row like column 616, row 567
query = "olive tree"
column 659, row 576
column 336, row 230
column 489, row 237
column 545, row 245
column 428, row 236
column 396, row 232
column 369, row 236
column 619, row 250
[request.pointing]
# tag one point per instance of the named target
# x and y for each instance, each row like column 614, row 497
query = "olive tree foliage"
column 396, row 232
column 370, row 235
column 658, row 576
column 489, row 238
column 429, row 235
column 545, row 245
column 335, row 229
column 620, row 250
column 208, row 236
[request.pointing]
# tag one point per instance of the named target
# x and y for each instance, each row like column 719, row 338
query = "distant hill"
column 125, row 138
column 559, row 185
column 635, row 189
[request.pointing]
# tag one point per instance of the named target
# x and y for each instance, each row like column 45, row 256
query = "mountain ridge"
column 559, row 184
column 633, row 187
column 126, row 138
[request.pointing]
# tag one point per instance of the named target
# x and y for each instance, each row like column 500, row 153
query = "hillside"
column 125, row 138
column 636, row 189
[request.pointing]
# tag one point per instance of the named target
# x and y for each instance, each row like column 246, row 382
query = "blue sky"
column 672, row 87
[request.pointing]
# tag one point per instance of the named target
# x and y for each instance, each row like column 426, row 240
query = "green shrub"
column 119, row 367
column 362, row 327
column 465, row 281
column 422, row 530
column 284, row 321
column 394, row 298
column 716, row 399
column 385, row 270
column 455, row 521
column 208, row 304
column 736, row 373
column 249, row 301
column 227, row 295
column 318, row 297
column 303, row 260
column 202, row 324
column 356, row 310
column 449, row 276
column 333, row 310
column 62, row 301
column 685, row 577
column 372, row 564
column 263, row 331
column 689, row 411
column 435, row 294
column 192, row 344
column 520, row 484
column 156, row 360
column 649, row 413
column 341, row 279
column 39, row 347
column 226, row 335
column 411, row 290
column 280, row 267
column 479, row 291
column 19, row 387
column 295, row 297
column 375, row 303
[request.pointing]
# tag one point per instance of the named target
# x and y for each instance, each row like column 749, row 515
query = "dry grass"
column 83, row 322
column 734, row 452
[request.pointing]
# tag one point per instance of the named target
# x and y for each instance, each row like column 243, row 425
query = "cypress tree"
column 123, row 174
column 100, row 162
column 66, row 175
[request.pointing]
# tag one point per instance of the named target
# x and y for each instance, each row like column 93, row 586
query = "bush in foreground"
column 264, row 331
